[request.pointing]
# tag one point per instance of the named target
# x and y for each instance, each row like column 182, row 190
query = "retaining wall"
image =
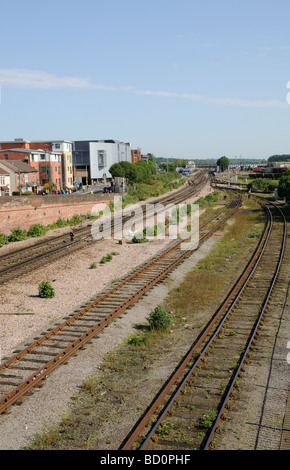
column 25, row 211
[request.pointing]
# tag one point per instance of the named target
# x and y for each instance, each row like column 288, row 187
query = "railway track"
column 23, row 260
column 28, row 367
column 188, row 410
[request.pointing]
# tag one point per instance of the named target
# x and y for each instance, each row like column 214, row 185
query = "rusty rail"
column 177, row 378
column 41, row 373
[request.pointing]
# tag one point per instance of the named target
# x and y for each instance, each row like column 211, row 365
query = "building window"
column 102, row 158
column 5, row 156
column 57, row 146
column 44, row 169
column 42, row 156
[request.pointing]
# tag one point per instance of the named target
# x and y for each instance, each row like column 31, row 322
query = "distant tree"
column 117, row 170
column 279, row 158
column 135, row 172
column 262, row 184
column 223, row 163
column 144, row 169
column 127, row 168
column 284, row 185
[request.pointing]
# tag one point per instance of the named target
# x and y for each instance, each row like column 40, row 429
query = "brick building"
column 135, row 155
column 23, row 177
column 47, row 164
column 63, row 148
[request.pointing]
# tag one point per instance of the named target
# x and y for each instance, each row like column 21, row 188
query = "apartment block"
column 92, row 159
column 48, row 165
column 53, row 147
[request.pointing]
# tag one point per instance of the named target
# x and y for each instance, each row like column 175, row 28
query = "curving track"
column 29, row 367
column 200, row 390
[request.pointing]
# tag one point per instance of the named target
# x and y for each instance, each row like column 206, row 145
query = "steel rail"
column 176, row 376
column 63, row 356
column 252, row 337
column 43, row 242
column 241, row 284
column 181, row 195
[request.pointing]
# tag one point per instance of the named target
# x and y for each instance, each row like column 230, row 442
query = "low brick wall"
column 25, row 211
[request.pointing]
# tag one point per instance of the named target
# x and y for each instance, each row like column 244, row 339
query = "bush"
column 36, row 230
column 159, row 319
column 46, row 290
column 254, row 233
column 93, row 265
column 106, row 258
column 61, row 222
column 209, row 418
column 137, row 340
column 139, row 238
column 28, row 193
column 75, row 220
column 262, row 184
column 3, row 239
column 17, row 235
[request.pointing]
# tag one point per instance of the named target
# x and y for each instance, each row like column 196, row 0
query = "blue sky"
column 184, row 78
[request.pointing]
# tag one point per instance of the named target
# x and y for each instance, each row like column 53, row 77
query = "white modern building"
column 92, row 159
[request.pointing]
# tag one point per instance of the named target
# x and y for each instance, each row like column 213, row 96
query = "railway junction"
column 110, row 316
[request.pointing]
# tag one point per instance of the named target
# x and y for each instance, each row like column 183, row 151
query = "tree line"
column 134, row 172
column 143, row 169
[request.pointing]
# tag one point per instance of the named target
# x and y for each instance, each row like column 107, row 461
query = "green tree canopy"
column 279, row 158
column 135, row 172
column 284, row 185
column 117, row 170
column 223, row 163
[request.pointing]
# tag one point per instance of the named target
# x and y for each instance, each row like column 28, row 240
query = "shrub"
column 159, row 319
column 106, row 258
column 36, row 230
column 61, row 222
column 28, row 193
column 17, row 235
column 254, row 233
column 137, row 340
column 139, row 238
column 46, row 290
column 3, row 239
column 93, row 265
column 209, row 418
column 75, row 220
